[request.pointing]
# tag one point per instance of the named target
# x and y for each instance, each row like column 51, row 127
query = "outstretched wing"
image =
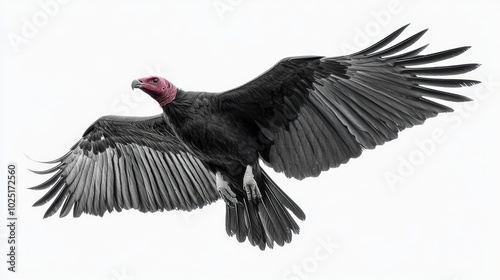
column 313, row 113
column 127, row 162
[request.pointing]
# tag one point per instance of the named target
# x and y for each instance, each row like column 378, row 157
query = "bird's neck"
column 181, row 108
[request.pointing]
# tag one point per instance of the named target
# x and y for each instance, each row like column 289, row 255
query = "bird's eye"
column 155, row 80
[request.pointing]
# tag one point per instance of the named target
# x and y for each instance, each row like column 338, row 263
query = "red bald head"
column 159, row 88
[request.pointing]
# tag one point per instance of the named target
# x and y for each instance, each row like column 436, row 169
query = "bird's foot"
column 250, row 186
column 225, row 190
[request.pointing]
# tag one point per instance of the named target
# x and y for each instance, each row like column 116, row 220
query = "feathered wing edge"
column 108, row 170
column 356, row 102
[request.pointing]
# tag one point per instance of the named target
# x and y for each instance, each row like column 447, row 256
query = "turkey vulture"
column 303, row 116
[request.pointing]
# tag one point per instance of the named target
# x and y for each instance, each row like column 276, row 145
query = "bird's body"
column 303, row 116
column 218, row 137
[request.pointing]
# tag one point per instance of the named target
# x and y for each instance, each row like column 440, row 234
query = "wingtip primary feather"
column 441, row 70
column 402, row 28
column 430, row 58
column 47, row 183
column 382, row 43
column 466, row 99
column 406, row 43
column 47, row 214
column 51, row 161
column 48, row 171
column 38, row 203
column 469, row 83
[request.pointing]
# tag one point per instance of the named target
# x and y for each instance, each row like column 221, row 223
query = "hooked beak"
column 136, row 84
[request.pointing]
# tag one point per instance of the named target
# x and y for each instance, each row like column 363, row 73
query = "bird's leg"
column 250, row 185
column 225, row 191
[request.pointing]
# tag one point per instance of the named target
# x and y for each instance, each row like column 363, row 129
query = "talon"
column 225, row 191
column 250, row 186
column 229, row 197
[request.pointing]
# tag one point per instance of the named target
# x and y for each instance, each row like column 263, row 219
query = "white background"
column 441, row 222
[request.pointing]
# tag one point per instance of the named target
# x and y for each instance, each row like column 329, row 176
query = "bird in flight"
column 303, row 116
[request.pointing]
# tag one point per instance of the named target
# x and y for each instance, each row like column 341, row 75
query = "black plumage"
column 301, row 117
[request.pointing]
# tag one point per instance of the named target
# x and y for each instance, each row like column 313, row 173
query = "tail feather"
column 256, row 233
column 242, row 231
column 284, row 198
column 235, row 222
column 267, row 222
column 278, row 233
column 230, row 229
